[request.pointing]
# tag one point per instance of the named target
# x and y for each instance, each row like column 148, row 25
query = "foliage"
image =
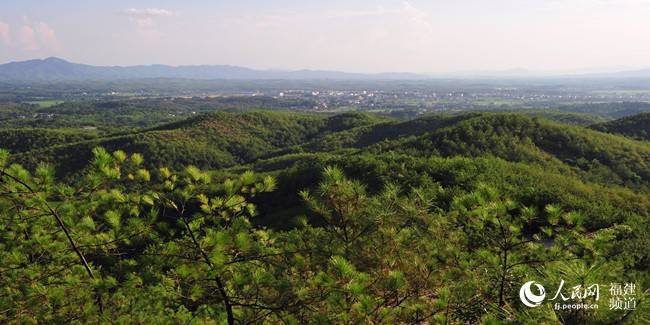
column 22, row 140
column 637, row 126
column 128, row 244
column 575, row 118
column 347, row 219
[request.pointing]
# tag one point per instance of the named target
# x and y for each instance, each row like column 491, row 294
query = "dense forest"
column 636, row 126
column 247, row 217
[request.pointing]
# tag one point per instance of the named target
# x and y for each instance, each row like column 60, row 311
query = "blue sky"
column 365, row 36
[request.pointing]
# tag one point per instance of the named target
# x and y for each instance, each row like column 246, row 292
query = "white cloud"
column 36, row 35
column 376, row 38
column 417, row 17
column 378, row 11
column 27, row 38
column 46, row 36
column 144, row 18
column 406, row 12
column 5, row 35
column 149, row 12
column 402, row 30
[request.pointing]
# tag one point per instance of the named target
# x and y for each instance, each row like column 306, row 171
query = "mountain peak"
column 53, row 59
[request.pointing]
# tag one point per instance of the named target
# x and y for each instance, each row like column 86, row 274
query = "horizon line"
column 515, row 72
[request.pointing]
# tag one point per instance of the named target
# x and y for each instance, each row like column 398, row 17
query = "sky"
column 433, row 36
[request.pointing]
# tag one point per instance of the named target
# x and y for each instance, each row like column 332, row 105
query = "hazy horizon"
column 414, row 36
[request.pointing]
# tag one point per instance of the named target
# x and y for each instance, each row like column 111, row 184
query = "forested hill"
column 594, row 155
column 636, row 126
column 26, row 139
column 221, row 140
column 269, row 217
column 214, row 140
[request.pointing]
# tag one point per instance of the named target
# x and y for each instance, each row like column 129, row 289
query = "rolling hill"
column 220, row 140
column 213, row 140
column 26, row 139
column 636, row 126
column 545, row 175
column 592, row 155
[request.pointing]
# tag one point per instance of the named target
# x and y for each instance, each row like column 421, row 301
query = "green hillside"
column 576, row 118
column 591, row 155
column 22, row 140
column 594, row 155
column 532, row 159
column 269, row 217
column 636, row 126
column 220, row 140
column 213, row 140
column 534, row 184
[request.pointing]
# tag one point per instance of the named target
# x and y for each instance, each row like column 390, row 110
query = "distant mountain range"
column 532, row 74
column 55, row 69
column 52, row 69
